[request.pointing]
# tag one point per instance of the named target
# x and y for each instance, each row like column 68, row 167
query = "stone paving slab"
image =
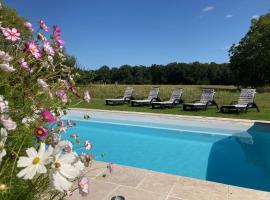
column 140, row 184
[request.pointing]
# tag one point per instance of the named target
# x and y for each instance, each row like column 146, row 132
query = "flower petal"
column 69, row 171
column 41, row 150
column 24, row 161
column 59, row 182
column 31, row 152
column 67, row 158
column 23, row 172
column 41, row 169
column 31, row 172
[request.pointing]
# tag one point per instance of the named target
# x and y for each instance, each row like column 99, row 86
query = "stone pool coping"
column 141, row 184
column 229, row 124
column 175, row 116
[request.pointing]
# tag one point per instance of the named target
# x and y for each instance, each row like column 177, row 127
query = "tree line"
column 172, row 73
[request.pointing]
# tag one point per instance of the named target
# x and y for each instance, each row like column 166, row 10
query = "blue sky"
column 145, row 32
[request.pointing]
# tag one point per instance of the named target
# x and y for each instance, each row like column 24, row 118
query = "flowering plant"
column 35, row 90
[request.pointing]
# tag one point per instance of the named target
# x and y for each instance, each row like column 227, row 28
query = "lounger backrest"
column 128, row 92
column 246, row 96
column 207, row 95
column 176, row 94
column 153, row 93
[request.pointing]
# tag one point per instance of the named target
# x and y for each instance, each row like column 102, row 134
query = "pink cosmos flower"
column 41, row 132
column 7, row 122
column 11, row 34
column 87, row 96
column 83, row 185
column 110, row 167
column 5, row 57
column 32, row 48
column 43, row 84
column 47, row 116
column 43, row 25
column 87, row 145
column 24, row 65
column 29, row 26
column 48, row 48
column 61, row 93
column 57, row 36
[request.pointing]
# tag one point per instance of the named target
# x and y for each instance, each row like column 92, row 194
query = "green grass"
column 224, row 95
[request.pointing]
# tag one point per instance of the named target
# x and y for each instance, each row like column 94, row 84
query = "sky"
column 145, row 32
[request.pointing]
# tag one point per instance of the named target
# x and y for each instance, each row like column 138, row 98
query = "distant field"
column 224, row 95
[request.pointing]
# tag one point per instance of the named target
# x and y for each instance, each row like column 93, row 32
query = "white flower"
column 35, row 162
column 7, row 122
column 50, row 59
column 63, row 144
column 87, row 97
column 43, row 84
column 3, row 105
column 6, row 67
column 3, row 138
column 63, row 171
column 5, row 57
column 79, row 166
column 28, row 120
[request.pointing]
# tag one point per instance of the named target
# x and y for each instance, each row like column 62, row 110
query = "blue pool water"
column 221, row 158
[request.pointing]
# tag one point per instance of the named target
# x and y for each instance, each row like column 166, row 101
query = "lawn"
column 224, row 95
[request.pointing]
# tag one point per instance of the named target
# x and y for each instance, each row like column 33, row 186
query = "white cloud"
column 255, row 17
column 229, row 16
column 207, row 9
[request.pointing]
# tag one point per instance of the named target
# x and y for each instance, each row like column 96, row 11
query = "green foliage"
column 26, row 98
column 250, row 59
column 173, row 73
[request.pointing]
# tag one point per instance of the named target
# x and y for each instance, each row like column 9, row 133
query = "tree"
column 250, row 59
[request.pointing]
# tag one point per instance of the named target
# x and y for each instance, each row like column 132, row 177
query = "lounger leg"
column 255, row 105
column 214, row 103
column 184, row 107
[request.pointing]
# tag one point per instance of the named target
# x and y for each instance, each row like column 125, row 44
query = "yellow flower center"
column 33, row 49
column 36, row 160
column 3, row 187
column 57, row 165
column 39, row 132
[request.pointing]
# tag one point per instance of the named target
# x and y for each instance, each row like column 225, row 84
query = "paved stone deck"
column 139, row 184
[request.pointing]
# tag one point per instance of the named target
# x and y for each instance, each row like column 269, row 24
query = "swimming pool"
column 235, row 155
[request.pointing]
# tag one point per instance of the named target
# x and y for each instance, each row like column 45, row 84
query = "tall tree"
column 250, row 59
